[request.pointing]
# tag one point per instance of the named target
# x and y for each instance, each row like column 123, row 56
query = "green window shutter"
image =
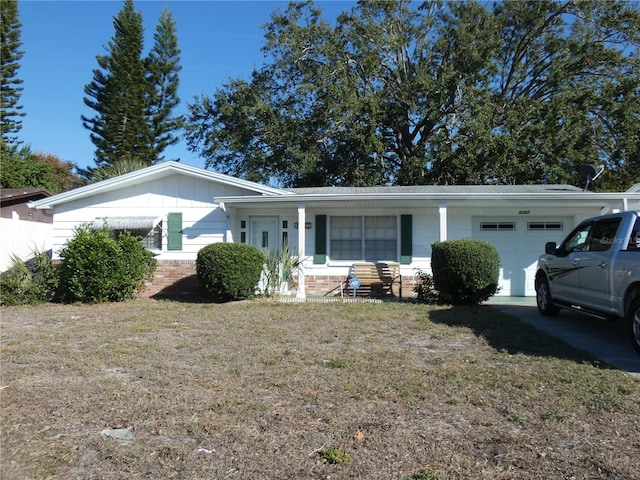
column 406, row 239
column 320, row 255
column 174, row 240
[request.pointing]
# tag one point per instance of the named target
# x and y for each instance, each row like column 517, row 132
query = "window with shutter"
column 321, row 240
column 174, row 228
column 406, row 239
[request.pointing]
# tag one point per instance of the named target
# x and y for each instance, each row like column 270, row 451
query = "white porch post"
column 301, row 250
column 228, row 232
column 442, row 211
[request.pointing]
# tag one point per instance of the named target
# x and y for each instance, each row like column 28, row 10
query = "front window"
column 151, row 239
column 370, row 238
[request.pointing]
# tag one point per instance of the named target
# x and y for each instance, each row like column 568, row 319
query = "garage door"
column 519, row 241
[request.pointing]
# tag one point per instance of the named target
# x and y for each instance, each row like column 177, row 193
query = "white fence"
column 21, row 238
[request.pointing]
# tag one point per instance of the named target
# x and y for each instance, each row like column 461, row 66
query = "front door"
column 264, row 233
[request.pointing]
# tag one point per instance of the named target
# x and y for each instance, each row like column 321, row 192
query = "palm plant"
column 279, row 268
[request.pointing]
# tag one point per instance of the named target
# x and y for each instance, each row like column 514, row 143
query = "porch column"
column 228, row 232
column 442, row 212
column 301, row 253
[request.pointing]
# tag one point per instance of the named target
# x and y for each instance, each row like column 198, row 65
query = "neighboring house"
column 23, row 230
column 179, row 209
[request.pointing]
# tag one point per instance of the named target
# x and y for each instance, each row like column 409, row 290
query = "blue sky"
column 219, row 40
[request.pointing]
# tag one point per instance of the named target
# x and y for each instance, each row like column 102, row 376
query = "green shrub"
column 28, row 282
column 230, row 271
column 465, row 272
column 98, row 268
column 424, row 289
column 279, row 268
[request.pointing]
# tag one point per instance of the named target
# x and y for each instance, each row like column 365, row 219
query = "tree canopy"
column 21, row 168
column 10, row 83
column 118, row 93
column 436, row 93
column 134, row 97
column 163, row 66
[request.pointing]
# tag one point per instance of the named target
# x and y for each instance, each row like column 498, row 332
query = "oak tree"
column 440, row 92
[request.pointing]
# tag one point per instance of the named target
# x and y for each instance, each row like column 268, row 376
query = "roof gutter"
column 440, row 197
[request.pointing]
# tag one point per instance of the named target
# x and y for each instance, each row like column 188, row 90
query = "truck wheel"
column 543, row 298
column 634, row 323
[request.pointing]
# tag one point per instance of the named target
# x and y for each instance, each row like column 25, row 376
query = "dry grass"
column 257, row 390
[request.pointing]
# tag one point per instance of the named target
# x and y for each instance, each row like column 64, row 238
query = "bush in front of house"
column 424, row 288
column 28, row 282
column 465, row 272
column 96, row 267
column 230, row 271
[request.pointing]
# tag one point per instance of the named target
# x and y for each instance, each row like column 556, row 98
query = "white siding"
column 203, row 222
column 519, row 250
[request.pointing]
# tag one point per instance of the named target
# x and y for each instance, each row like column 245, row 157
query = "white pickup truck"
column 596, row 270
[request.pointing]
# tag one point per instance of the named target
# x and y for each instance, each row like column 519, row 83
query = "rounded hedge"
column 96, row 267
column 465, row 272
column 230, row 271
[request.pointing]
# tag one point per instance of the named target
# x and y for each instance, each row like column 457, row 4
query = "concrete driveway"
column 608, row 341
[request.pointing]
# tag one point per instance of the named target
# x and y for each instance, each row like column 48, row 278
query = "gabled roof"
column 159, row 170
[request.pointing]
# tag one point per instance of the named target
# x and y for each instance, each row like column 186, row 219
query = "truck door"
column 596, row 264
column 564, row 267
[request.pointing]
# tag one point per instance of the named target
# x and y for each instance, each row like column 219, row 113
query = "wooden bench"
column 376, row 279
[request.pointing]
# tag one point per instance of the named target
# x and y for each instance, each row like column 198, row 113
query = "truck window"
column 603, row 235
column 634, row 240
column 577, row 240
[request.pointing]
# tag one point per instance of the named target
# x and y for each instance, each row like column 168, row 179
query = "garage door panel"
column 519, row 242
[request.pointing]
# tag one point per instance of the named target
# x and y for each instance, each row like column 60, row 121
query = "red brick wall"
column 177, row 278
column 174, row 278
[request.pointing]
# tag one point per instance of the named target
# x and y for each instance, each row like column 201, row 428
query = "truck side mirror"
column 550, row 248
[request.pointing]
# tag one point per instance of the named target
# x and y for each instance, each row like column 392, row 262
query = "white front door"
column 264, row 233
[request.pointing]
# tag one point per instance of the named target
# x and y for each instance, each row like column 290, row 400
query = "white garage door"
column 519, row 242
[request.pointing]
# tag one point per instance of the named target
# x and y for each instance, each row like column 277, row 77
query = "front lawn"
column 260, row 390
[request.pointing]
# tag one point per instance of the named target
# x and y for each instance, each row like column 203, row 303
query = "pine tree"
column 119, row 94
column 10, row 89
column 162, row 73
